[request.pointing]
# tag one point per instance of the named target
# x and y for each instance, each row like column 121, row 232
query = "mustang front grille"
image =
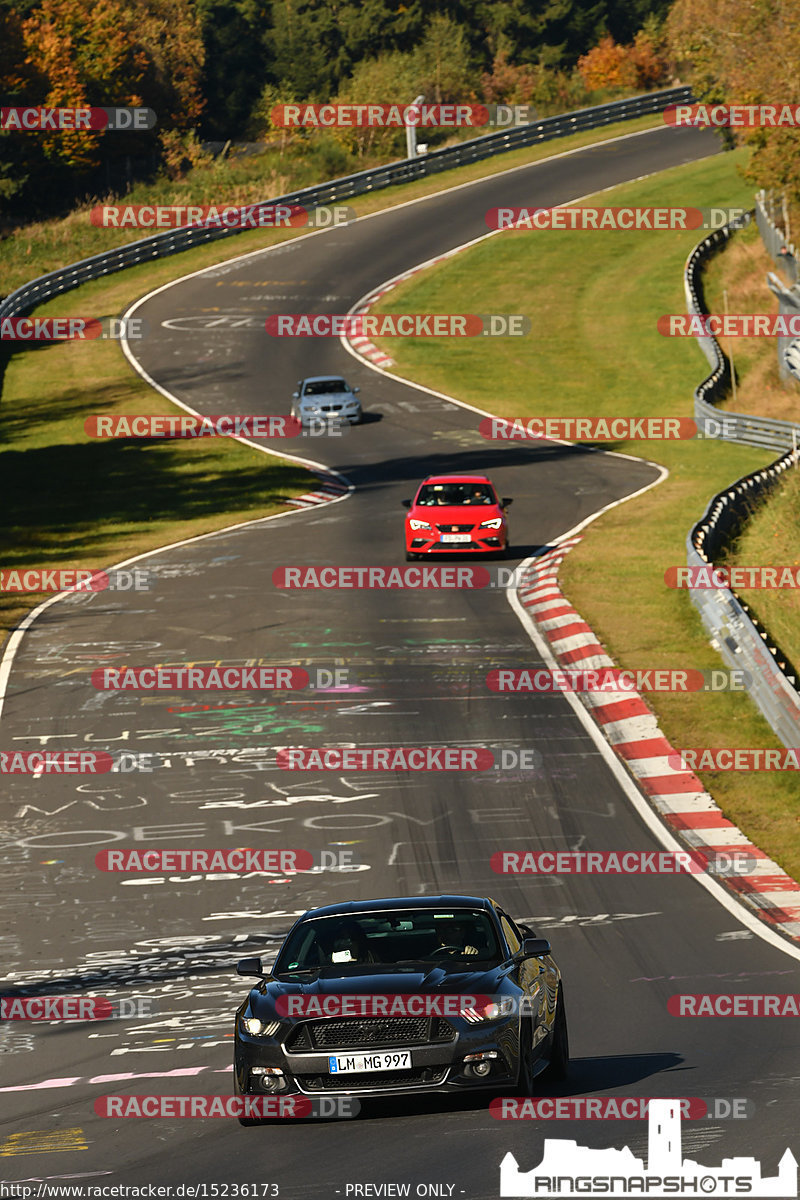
column 369, row 1034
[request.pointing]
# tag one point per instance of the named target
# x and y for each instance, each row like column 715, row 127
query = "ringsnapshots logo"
column 568, row 1170
column 86, row 120
column 220, row 216
column 622, row 219
column 410, row 325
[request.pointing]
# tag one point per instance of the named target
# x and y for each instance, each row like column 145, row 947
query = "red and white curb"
column 633, row 732
column 329, row 489
column 362, row 347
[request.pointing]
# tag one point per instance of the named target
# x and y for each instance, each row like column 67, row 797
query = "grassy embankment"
column 603, row 348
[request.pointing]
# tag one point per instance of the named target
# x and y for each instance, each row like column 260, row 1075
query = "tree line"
column 213, row 70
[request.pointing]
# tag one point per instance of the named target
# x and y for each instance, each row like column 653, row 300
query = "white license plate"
column 384, row 1060
column 455, row 537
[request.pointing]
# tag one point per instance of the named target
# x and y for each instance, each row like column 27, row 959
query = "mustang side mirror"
column 506, row 501
column 295, row 395
column 535, row 947
column 356, row 389
column 250, row 966
column 406, row 503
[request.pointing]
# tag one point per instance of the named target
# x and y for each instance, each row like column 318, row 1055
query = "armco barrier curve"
column 173, row 241
column 766, row 433
column 740, row 639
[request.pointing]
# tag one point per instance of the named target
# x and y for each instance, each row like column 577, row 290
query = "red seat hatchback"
column 456, row 513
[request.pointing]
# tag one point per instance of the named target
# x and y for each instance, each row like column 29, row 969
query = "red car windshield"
column 456, row 494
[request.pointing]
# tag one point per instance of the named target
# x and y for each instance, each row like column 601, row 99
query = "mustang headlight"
column 415, row 524
column 260, row 1028
column 489, row 1012
column 495, row 523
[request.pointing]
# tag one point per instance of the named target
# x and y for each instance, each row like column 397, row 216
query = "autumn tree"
column 738, row 52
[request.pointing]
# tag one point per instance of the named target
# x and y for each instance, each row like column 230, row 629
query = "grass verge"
column 46, row 245
column 603, row 348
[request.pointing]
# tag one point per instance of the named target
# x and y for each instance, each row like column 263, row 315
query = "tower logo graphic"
column 568, row 1169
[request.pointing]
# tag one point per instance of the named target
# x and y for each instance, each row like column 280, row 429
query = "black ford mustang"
column 380, row 997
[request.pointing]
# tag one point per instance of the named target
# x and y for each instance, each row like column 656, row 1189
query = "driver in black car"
column 455, row 935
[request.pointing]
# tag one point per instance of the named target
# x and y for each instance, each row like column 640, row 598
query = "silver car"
column 325, row 398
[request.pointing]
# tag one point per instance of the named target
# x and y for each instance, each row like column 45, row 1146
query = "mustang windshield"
column 403, row 936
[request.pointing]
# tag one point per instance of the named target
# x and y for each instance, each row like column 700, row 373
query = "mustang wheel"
column 559, row 1059
column 525, row 1079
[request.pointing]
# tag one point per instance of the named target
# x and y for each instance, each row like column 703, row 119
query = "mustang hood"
column 433, row 981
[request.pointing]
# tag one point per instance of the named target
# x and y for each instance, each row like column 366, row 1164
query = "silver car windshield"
column 324, row 387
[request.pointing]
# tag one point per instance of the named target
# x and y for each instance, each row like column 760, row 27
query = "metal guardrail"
column 767, row 433
column 735, row 632
column 173, row 241
column 782, row 253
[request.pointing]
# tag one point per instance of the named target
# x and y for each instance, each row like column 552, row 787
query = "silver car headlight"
column 495, row 523
column 413, row 523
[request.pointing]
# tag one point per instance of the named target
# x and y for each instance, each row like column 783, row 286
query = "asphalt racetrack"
column 416, row 663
